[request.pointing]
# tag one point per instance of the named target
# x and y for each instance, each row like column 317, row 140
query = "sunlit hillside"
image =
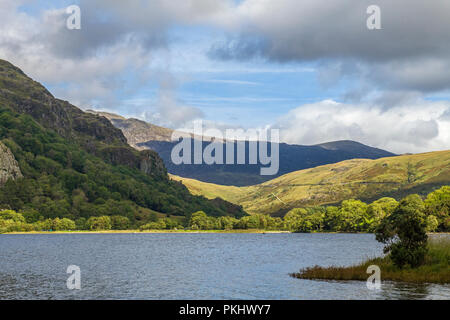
column 330, row 184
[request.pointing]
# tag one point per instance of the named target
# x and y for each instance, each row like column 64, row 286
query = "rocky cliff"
column 9, row 168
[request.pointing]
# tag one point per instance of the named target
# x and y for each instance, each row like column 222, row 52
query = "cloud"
column 390, row 70
column 110, row 55
column 418, row 127
column 169, row 111
column 233, row 82
column 411, row 52
column 86, row 66
column 291, row 30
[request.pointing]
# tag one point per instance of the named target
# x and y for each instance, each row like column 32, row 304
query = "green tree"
column 331, row 219
column 432, row 223
column 99, row 223
column 312, row 222
column 404, row 233
column 63, row 224
column 379, row 209
column 11, row 215
column 293, row 218
column 227, row 223
column 199, row 221
column 159, row 225
column 120, row 223
column 437, row 204
column 171, row 224
column 353, row 216
column 81, row 224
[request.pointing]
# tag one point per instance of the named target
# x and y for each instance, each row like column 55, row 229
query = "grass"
column 436, row 268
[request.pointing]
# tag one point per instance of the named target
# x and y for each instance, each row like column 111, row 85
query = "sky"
column 311, row 69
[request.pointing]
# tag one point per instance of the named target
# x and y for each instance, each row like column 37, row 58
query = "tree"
column 199, row 221
column 159, row 225
column 120, row 223
column 353, row 216
column 432, row 223
column 312, row 222
column 11, row 215
column 438, row 205
column 99, row 223
column 171, row 224
column 227, row 223
column 380, row 209
column 404, row 233
column 63, row 224
column 81, row 224
column 294, row 218
column 11, row 221
column 331, row 219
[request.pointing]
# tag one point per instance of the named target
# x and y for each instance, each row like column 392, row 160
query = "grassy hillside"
column 330, row 184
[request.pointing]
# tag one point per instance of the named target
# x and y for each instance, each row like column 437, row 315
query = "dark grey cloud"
column 291, row 30
column 411, row 52
column 103, row 25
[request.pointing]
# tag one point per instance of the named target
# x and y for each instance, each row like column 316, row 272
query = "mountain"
column 330, row 184
column 292, row 158
column 144, row 135
column 77, row 164
column 136, row 131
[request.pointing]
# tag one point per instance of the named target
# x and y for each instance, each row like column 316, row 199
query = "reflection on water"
column 191, row 266
column 410, row 291
column 405, row 291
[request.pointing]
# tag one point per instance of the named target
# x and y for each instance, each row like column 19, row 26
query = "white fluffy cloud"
column 418, row 127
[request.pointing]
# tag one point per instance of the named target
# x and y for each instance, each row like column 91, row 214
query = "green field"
column 330, row 184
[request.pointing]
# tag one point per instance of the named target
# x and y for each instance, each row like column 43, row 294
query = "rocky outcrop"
column 9, row 168
column 137, row 131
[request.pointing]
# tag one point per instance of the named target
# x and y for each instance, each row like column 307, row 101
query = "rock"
column 9, row 168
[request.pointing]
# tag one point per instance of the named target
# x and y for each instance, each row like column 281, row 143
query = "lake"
column 190, row 266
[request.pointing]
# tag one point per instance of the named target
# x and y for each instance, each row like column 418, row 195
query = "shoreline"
column 237, row 231
column 435, row 268
column 254, row 231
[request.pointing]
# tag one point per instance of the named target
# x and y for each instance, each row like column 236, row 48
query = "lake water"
column 190, row 266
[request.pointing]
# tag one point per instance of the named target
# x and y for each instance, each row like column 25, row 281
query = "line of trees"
column 351, row 216
column 12, row 221
column 357, row 216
